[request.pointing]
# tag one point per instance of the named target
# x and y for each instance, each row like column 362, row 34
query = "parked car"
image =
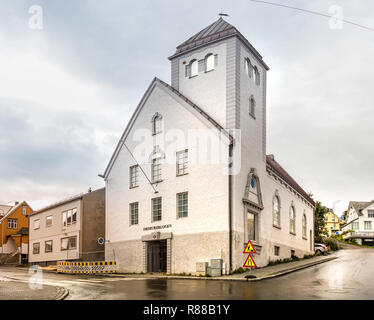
column 320, row 247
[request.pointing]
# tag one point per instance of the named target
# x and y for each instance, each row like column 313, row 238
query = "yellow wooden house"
column 333, row 223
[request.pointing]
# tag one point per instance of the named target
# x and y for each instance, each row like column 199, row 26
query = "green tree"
column 319, row 221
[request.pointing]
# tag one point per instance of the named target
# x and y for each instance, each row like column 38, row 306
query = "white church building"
column 190, row 181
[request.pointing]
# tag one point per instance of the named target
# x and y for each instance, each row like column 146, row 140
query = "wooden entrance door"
column 157, row 254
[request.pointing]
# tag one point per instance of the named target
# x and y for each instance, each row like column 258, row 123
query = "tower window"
column 257, row 76
column 194, row 68
column 209, row 62
column 248, row 67
column 252, row 106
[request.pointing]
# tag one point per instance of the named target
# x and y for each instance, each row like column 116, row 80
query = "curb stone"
column 290, row 270
column 223, row 278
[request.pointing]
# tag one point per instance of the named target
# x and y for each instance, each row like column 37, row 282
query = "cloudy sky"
column 68, row 90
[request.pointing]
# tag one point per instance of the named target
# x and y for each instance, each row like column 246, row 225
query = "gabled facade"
column 333, row 223
column 14, row 231
column 69, row 230
column 168, row 207
column 360, row 220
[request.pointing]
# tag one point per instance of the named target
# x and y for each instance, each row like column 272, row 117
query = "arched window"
column 209, row 62
column 304, row 226
column 252, row 106
column 276, row 211
column 257, row 76
column 156, row 123
column 194, row 68
column 248, row 67
column 292, row 220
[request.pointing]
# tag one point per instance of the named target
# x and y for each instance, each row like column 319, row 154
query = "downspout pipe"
column 230, row 164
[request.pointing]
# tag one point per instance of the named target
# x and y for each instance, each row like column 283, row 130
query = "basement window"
column 276, row 250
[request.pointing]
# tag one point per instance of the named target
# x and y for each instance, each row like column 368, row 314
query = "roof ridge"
column 275, row 165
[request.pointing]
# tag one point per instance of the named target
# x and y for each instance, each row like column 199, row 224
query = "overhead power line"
column 312, row 12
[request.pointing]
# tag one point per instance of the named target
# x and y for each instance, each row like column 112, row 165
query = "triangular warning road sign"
column 249, row 263
column 249, row 248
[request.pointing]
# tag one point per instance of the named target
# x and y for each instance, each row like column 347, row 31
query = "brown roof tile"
column 278, row 169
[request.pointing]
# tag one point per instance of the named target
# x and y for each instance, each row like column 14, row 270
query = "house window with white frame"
column 292, row 220
column 304, row 226
column 370, row 213
column 182, row 162
column 276, row 212
column 355, row 225
column 134, row 213
column 156, row 209
column 69, row 243
column 48, row 221
column 48, row 246
column 24, row 210
column 36, row 248
column 182, row 204
column 156, row 170
column 134, row 176
column 69, row 217
column 367, row 225
column 12, row 223
column 37, row 224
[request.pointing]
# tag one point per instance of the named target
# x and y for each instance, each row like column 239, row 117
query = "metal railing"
column 359, row 234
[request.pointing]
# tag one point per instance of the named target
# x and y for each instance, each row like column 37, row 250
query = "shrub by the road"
column 332, row 243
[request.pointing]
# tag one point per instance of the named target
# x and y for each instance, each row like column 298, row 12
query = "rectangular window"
column 370, row 213
column 24, row 210
column 69, row 243
column 64, row 219
column 156, row 170
column 134, row 176
column 74, row 216
column 12, row 223
column 36, row 248
column 292, row 253
column 156, row 209
column 36, row 224
column 367, row 225
column 276, row 250
column 48, row 246
column 69, row 218
column 48, row 221
column 355, row 225
column 251, row 225
column 182, row 203
column 134, row 213
column 182, row 162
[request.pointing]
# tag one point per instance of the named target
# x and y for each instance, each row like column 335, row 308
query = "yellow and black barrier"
column 87, row 267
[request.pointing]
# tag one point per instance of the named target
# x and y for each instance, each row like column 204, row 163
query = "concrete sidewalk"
column 19, row 290
column 260, row 273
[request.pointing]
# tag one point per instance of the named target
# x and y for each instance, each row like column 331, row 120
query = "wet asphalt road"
column 348, row 277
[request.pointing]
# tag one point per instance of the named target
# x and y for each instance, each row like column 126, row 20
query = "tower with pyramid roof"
column 233, row 92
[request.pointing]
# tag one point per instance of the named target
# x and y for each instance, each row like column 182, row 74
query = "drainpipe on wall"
column 230, row 205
